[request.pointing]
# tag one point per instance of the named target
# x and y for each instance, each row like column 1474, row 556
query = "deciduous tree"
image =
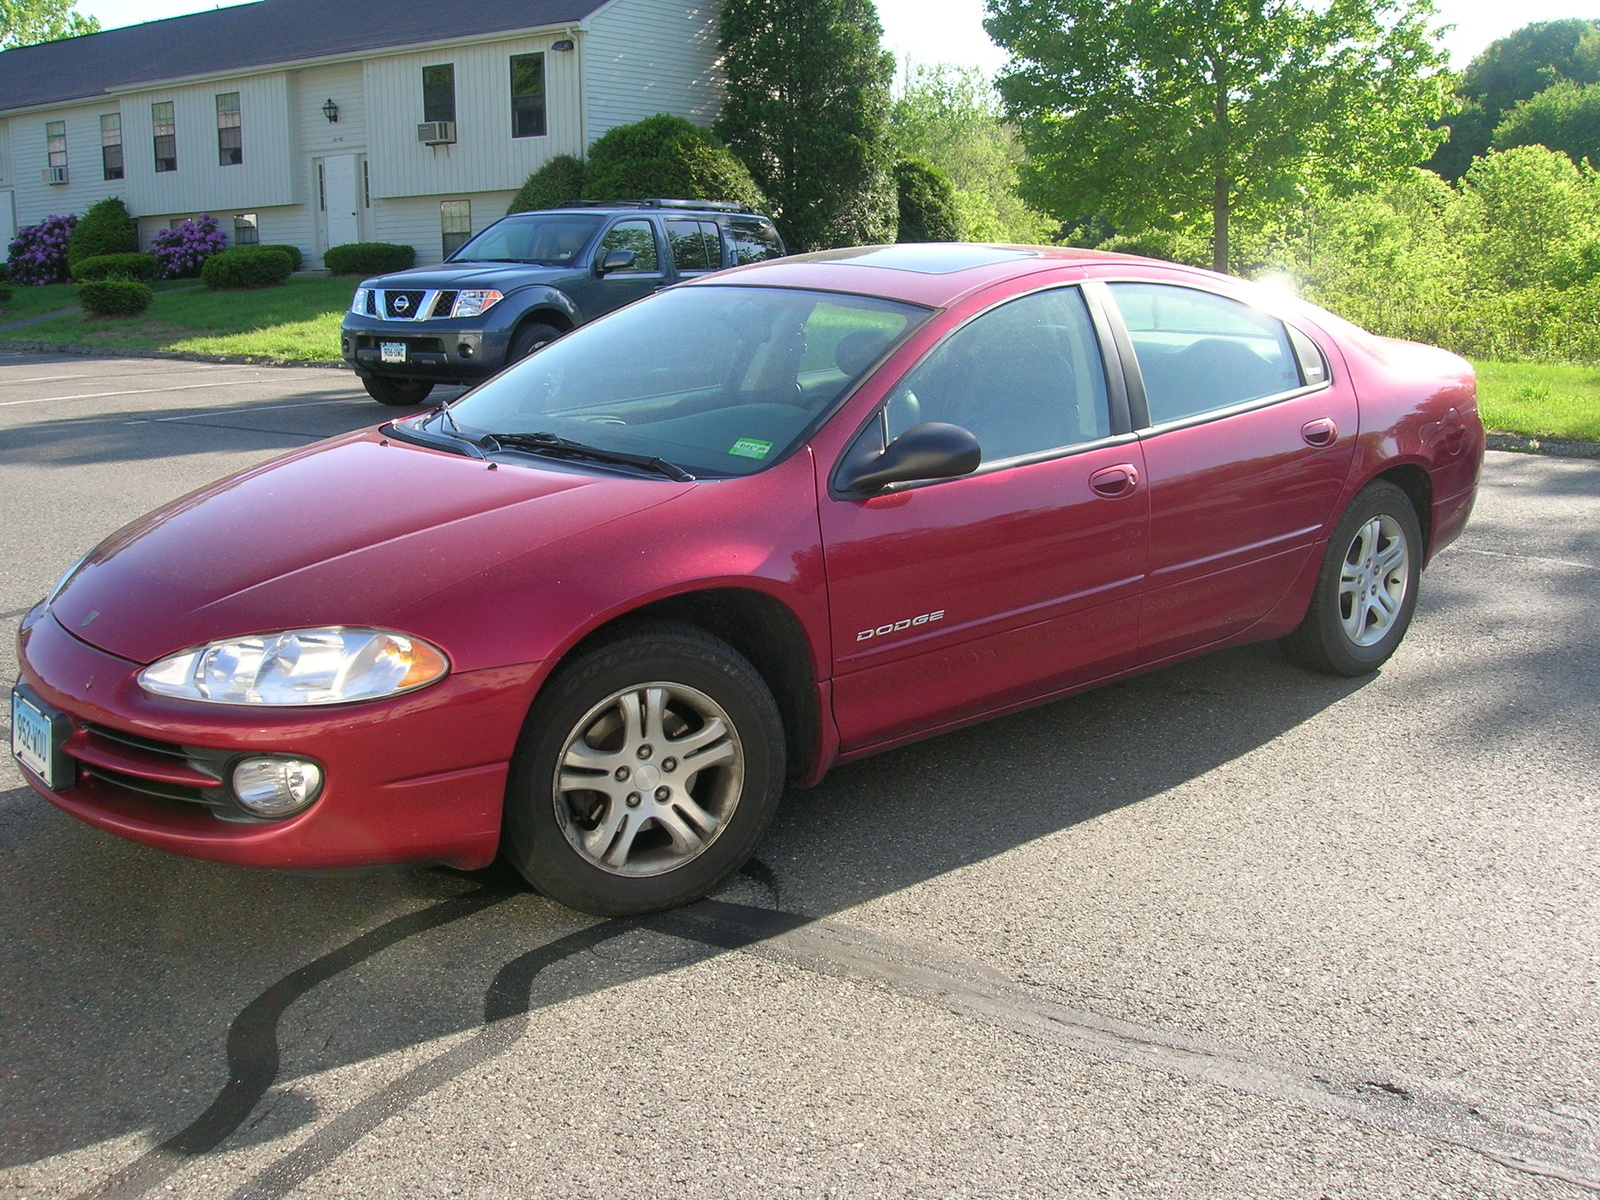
column 26, row 22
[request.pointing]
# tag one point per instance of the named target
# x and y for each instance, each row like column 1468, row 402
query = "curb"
column 1516, row 443
column 243, row 360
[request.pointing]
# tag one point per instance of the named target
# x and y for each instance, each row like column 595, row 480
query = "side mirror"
column 615, row 260
column 933, row 450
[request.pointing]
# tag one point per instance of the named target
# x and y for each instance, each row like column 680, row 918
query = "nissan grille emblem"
column 401, row 303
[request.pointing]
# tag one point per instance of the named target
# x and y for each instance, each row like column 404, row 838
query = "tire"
column 529, row 338
column 1367, row 588
column 623, row 716
column 401, row 393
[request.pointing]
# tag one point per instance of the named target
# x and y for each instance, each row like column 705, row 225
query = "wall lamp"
column 564, row 44
column 331, row 111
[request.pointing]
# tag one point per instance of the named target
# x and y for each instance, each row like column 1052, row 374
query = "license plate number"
column 37, row 735
column 392, row 352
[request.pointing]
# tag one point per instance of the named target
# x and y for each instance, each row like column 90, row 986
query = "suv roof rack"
column 712, row 205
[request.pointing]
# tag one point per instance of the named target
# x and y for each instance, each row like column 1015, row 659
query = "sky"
column 934, row 31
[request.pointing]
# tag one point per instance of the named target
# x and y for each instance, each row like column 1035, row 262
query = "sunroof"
column 926, row 258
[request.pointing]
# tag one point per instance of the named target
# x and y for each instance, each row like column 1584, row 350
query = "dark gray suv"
column 529, row 278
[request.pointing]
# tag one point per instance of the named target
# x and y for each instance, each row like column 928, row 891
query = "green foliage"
column 950, row 117
column 246, row 266
column 295, row 257
column 555, row 185
column 114, row 297
column 1529, row 209
column 1179, row 116
column 142, row 267
column 28, row 22
column 105, row 229
column 5, row 293
column 1179, row 246
column 666, row 156
column 927, row 203
column 1565, row 117
column 807, row 110
column 368, row 258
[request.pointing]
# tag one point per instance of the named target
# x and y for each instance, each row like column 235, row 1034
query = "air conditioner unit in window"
column 437, row 133
column 53, row 175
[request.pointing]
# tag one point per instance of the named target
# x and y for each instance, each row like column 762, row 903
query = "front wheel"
column 533, row 336
column 1367, row 588
column 648, row 770
column 402, row 393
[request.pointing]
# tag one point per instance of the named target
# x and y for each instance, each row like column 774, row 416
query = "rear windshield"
column 717, row 380
column 550, row 240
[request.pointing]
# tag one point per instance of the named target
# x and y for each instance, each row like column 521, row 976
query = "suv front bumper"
column 439, row 351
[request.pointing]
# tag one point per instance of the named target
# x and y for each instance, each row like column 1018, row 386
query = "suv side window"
column 696, row 245
column 1199, row 352
column 638, row 236
column 754, row 240
column 1022, row 378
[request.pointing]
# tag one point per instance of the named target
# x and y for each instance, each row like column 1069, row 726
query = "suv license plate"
column 38, row 732
column 392, row 352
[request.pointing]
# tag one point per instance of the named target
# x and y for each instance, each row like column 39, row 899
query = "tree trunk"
column 1219, row 224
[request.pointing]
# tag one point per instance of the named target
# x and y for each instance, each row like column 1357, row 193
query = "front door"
column 342, row 198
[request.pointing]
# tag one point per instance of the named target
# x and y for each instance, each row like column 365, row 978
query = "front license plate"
column 38, row 733
column 393, row 352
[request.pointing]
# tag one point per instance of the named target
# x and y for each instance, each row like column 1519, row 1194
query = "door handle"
column 1115, row 482
column 1321, row 432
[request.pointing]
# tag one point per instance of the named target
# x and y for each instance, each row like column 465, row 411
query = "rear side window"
column 754, row 241
column 696, row 245
column 1199, row 352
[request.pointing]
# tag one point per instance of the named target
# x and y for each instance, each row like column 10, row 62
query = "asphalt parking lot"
column 1227, row 930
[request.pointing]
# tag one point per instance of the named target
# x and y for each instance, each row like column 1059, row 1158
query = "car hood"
column 349, row 532
column 500, row 276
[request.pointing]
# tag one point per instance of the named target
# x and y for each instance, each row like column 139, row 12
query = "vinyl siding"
column 643, row 57
column 485, row 157
column 5, row 152
column 86, row 181
column 415, row 221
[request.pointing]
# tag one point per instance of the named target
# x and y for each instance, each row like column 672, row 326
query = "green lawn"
column 1540, row 400
column 298, row 320
column 31, row 301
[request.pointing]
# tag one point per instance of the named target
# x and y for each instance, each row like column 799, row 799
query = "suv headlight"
column 359, row 304
column 334, row 665
column 475, row 303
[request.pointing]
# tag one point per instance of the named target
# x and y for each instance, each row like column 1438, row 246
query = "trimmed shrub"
column 105, row 229
column 555, row 185
column 368, row 258
column 5, row 293
column 295, row 257
column 246, row 266
column 38, row 254
column 184, row 250
column 114, row 297
column 927, row 203
column 116, row 266
column 667, row 156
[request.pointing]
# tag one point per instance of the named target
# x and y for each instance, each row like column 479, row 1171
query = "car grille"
column 402, row 306
column 443, row 305
column 149, row 767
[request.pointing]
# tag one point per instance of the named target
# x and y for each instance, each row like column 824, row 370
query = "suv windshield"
column 545, row 239
column 718, row 380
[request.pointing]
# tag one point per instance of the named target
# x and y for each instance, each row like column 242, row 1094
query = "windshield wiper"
column 555, row 444
column 449, row 438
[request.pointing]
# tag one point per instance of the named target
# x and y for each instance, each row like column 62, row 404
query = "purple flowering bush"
column 38, row 254
column 184, row 250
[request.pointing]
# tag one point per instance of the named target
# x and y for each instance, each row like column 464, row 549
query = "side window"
column 638, row 237
column 1199, row 352
column 1023, row 378
column 696, row 246
column 753, row 241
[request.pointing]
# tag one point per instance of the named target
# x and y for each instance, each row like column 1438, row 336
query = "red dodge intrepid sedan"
column 598, row 613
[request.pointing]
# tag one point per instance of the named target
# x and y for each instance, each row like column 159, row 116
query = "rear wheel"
column 402, row 393
column 1367, row 588
column 648, row 770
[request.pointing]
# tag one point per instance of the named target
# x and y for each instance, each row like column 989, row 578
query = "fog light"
column 464, row 350
column 276, row 787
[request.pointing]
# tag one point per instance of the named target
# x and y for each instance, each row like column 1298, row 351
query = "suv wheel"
column 402, row 393
column 530, row 338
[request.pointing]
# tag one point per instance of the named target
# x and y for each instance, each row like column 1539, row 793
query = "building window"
column 439, row 92
column 111, row 145
column 166, row 136
column 455, row 224
column 55, row 140
column 527, row 95
column 245, row 230
column 230, row 138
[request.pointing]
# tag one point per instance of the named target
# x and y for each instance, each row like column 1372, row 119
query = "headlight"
column 359, row 304
column 300, row 666
column 475, row 303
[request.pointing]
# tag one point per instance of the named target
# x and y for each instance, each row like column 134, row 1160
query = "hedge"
column 295, row 257
column 105, row 229
column 368, row 258
column 116, row 266
column 246, row 266
column 555, row 185
column 5, row 292
column 114, row 297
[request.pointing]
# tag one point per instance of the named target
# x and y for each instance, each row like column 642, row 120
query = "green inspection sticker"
column 751, row 448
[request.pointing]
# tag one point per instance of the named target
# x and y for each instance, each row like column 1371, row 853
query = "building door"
column 341, row 198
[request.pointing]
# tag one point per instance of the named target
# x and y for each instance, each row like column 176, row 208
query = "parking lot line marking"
column 44, row 379
column 1556, row 562
column 260, row 408
column 187, row 387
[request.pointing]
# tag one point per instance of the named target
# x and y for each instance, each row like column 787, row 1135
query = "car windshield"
column 717, row 380
column 546, row 239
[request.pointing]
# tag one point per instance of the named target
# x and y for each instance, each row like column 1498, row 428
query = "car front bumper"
column 417, row 778
column 443, row 351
